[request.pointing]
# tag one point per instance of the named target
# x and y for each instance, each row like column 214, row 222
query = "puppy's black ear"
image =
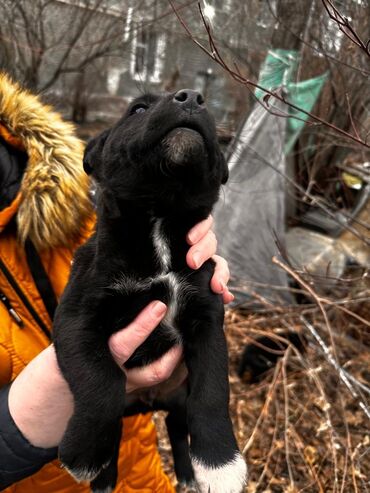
column 224, row 170
column 93, row 153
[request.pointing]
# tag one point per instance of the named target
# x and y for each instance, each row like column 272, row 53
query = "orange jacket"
column 51, row 206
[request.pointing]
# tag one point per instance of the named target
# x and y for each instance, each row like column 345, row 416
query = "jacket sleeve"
column 18, row 458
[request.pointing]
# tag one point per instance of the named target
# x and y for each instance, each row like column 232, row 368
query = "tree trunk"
column 79, row 105
column 292, row 16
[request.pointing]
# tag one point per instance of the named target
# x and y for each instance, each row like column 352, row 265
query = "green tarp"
column 278, row 71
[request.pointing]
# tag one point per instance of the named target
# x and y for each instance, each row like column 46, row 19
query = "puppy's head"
column 163, row 150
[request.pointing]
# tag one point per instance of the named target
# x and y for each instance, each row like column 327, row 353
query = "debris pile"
column 304, row 426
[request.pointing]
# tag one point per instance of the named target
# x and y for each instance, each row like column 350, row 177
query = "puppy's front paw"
column 79, row 469
column 82, row 467
column 186, row 487
column 107, row 478
column 227, row 478
column 84, row 460
column 87, row 447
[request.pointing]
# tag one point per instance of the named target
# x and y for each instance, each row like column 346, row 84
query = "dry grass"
column 305, row 426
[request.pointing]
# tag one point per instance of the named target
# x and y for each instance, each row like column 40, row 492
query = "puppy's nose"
column 189, row 100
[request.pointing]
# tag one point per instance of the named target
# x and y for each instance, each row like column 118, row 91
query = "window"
column 148, row 53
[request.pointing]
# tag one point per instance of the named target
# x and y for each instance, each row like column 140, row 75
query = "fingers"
column 199, row 231
column 203, row 250
column 220, row 279
column 203, row 243
column 227, row 296
column 156, row 372
column 123, row 344
column 203, row 246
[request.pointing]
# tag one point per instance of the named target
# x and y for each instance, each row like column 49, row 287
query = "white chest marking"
column 177, row 286
column 178, row 290
column 161, row 246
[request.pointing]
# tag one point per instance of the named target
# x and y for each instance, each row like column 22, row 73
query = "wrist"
column 40, row 401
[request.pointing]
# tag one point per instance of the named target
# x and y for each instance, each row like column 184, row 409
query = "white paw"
column 108, row 489
column 83, row 474
column 229, row 478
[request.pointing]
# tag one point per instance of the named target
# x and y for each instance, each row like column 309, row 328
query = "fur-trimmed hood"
column 53, row 202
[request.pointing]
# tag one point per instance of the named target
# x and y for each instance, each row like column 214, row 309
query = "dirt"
column 301, row 429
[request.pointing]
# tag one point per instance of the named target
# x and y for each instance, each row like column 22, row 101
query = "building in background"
column 90, row 56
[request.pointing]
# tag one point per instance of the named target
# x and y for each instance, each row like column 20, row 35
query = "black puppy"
column 159, row 171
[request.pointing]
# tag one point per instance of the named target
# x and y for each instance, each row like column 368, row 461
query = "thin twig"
column 264, row 410
column 319, row 299
column 286, row 419
column 236, row 74
column 339, row 369
column 345, row 26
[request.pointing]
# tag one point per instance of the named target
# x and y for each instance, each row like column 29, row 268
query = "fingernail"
column 192, row 237
column 223, row 286
column 197, row 259
column 159, row 308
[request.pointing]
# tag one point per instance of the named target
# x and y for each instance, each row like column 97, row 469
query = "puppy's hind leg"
column 178, row 433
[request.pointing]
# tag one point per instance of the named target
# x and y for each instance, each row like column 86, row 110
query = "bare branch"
column 345, row 26
column 214, row 54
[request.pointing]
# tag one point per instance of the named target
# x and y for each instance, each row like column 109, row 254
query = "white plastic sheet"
column 250, row 214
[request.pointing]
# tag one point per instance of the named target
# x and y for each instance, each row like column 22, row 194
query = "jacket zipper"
column 11, row 310
column 24, row 300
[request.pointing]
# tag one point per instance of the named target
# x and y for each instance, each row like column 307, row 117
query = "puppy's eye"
column 139, row 108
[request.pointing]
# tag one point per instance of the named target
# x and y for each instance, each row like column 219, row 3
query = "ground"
column 305, row 426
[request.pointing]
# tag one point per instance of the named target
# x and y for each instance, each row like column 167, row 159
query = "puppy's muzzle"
column 181, row 144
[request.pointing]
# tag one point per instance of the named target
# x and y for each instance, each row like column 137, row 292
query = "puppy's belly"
column 172, row 289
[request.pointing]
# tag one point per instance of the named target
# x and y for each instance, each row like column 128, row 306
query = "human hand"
column 203, row 247
column 123, row 343
column 40, row 400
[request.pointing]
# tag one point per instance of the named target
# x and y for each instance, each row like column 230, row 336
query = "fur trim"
column 54, row 190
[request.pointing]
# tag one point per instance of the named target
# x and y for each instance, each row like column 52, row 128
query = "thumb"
column 124, row 343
